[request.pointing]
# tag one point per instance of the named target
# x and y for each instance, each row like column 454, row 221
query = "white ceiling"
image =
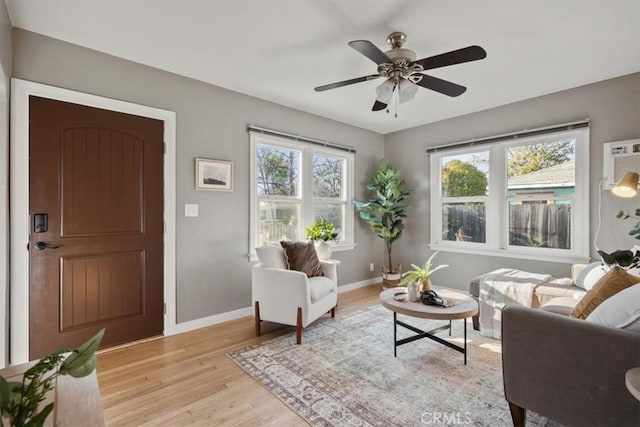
column 279, row 50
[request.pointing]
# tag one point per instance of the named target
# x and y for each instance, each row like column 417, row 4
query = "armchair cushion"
column 610, row 284
column 319, row 287
column 271, row 256
column 302, row 256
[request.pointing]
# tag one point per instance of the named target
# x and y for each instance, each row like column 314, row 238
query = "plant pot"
column 426, row 285
column 323, row 250
column 391, row 278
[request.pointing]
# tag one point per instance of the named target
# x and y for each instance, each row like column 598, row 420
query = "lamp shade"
column 627, row 186
column 385, row 91
column 406, row 91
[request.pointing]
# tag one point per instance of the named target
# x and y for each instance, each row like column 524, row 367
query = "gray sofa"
column 569, row 370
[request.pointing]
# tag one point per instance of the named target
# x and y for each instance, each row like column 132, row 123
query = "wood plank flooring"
column 188, row 379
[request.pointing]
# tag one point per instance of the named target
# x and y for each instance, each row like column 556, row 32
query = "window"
column 526, row 199
column 295, row 183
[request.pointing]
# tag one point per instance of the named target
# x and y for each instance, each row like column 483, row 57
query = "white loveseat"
column 290, row 297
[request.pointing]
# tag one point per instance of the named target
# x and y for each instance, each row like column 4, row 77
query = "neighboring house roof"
column 562, row 175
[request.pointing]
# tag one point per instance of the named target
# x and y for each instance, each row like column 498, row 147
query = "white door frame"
column 19, row 200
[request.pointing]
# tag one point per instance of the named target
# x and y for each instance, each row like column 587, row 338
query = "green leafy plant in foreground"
column 19, row 401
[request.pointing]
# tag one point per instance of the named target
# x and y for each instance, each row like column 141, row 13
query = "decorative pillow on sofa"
column 590, row 275
column 620, row 311
column 302, row 256
column 610, row 284
column 271, row 256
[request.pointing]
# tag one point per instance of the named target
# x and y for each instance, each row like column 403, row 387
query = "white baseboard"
column 192, row 325
column 360, row 284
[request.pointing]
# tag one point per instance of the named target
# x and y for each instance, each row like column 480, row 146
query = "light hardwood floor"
column 188, row 379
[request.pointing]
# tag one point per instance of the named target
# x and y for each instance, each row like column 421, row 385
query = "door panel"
column 98, row 175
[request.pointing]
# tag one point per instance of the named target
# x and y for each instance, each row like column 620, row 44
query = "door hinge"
column 164, row 148
column 165, row 308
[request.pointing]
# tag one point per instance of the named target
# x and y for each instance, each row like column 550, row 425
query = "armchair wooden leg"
column 518, row 415
column 299, row 327
column 333, row 312
column 257, row 318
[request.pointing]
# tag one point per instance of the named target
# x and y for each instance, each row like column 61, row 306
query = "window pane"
column 465, row 175
column 334, row 212
column 278, row 221
column 464, row 222
column 547, row 167
column 327, row 176
column 277, row 171
column 540, row 223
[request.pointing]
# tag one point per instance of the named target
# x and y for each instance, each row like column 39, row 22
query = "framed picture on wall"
column 214, row 175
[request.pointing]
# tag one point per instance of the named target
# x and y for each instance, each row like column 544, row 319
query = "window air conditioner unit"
column 620, row 157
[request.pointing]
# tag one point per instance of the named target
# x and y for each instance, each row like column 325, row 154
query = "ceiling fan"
column 403, row 73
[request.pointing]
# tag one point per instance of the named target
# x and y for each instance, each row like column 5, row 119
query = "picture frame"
column 214, row 175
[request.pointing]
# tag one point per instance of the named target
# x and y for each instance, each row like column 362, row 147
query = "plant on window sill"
column 322, row 231
column 19, row 401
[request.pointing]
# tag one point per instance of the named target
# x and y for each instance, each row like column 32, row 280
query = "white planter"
column 323, row 250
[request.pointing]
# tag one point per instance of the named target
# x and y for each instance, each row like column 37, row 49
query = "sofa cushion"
column 560, row 305
column 271, row 256
column 320, row 287
column 610, row 284
column 620, row 311
column 302, row 256
column 590, row 275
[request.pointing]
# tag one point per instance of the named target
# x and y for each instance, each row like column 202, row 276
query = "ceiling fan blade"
column 346, row 82
column 466, row 54
column 440, row 85
column 377, row 106
column 371, row 51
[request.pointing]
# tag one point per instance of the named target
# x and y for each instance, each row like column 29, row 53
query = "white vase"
column 413, row 291
column 323, row 250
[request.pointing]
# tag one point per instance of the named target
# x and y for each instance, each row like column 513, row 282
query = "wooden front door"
column 96, row 218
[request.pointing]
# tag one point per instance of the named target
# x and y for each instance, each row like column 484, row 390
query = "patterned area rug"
column 344, row 374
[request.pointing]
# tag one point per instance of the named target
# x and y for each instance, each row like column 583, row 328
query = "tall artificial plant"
column 386, row 210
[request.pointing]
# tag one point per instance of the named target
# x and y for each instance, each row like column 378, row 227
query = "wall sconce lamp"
column 627, row 186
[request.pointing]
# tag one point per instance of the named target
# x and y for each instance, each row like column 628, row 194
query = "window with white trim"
column 527, row 198
column 294, row 183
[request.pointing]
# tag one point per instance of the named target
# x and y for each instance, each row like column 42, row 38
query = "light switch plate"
column 190, row 210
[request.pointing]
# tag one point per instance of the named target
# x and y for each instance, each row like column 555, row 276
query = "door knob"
column 42, row 246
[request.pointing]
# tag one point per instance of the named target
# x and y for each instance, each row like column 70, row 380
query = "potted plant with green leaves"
column 20, row 401
column 322, row 232
column 422, row 273
column 385, row 213
column 635, row 231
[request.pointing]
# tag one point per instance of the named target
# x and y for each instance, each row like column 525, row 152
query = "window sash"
column 305, row 194
column 497, row 202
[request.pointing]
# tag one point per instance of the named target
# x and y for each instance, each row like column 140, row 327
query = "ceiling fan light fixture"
column 384, row 91
column 406, row 91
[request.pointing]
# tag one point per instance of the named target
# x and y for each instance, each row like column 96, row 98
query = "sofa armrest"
column 569, row 370
column 576, row 269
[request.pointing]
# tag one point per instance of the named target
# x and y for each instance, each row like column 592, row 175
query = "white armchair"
column 290, row 297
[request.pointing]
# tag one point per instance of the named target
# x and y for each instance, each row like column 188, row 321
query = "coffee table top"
column 464, row 306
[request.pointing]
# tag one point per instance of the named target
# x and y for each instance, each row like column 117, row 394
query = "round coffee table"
column 464, row 307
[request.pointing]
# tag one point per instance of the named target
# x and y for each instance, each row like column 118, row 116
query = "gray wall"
column 5, row 74
column 213, row 273
column 614, row 109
